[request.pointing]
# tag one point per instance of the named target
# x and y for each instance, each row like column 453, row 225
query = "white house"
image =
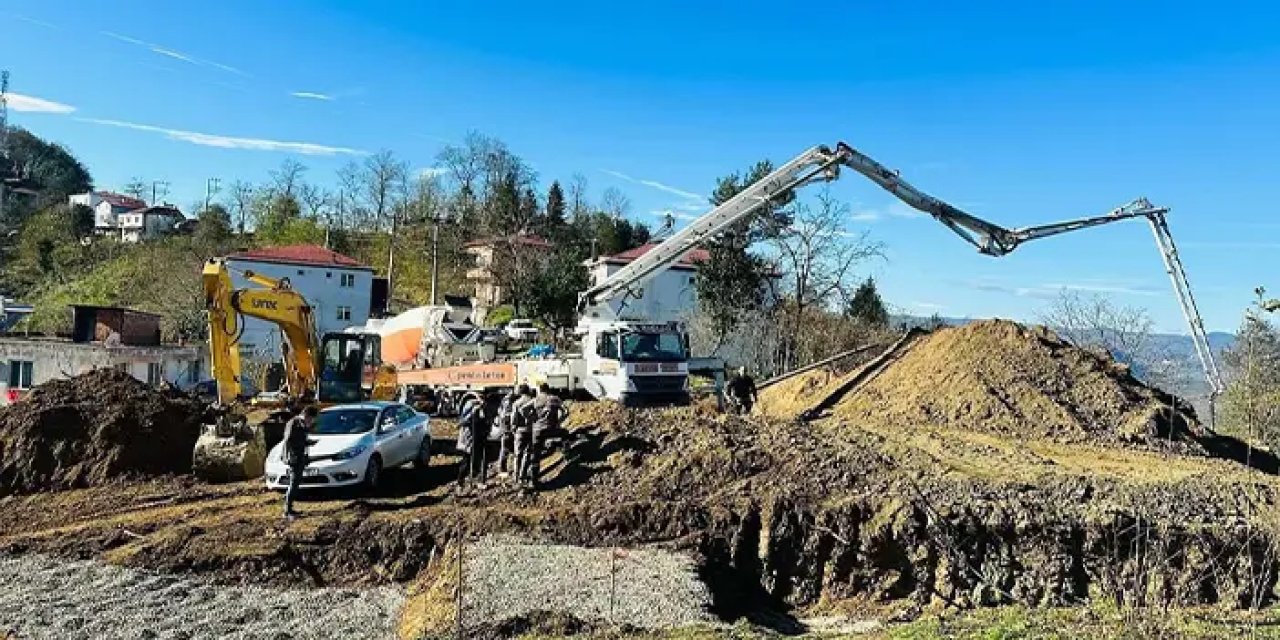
column 106, row 207
column 126, row 217
column 148, row 222
column 339, row 289
column 668, row 296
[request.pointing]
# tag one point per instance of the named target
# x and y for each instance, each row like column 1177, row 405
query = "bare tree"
column 817, row 257
column 615, row 203
column 383, row 182
column 468, row 163
column 314, row 199
column 577, row 196
column 240, row 199
column 1095, row 322
column 288, row 177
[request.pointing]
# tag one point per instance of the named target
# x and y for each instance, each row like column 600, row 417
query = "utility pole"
column 155, row 187
column 210, row 188
column 4, row 137
column 391, row 256
column 435, row 251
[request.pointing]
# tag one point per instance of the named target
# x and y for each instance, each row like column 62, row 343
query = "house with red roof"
column 107, row 207
column 338, row 287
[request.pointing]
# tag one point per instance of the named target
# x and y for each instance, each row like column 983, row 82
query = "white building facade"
column 339, row 289
column 670, row 295
column 26, row 362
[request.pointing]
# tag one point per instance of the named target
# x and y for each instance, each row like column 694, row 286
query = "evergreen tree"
column 866, row 306
column 733, row 280
column 555, row 205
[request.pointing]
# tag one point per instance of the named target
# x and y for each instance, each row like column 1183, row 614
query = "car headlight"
column 347, row 454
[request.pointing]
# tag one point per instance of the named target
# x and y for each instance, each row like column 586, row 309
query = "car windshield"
column 521, row 324
column 345, row 422
column 652, row 347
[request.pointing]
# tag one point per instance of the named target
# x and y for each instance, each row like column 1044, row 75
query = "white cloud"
column 654, row 184
column 311, row 95
column 1054, row 289
column 19, row 102
column 432, row 172
column 902, row 210
column 928, row 306
column 172, row 53
column 231, row 142
column 865, row 216
column 42, row 23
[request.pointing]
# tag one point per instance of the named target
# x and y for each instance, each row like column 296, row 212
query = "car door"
column 391, row 438
column 416, row 425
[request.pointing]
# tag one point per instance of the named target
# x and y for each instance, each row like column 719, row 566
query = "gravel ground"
column 650, row 589
column 43, row 597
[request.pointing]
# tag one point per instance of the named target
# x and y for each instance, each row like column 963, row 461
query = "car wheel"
column 423, row 459
column 373, row 474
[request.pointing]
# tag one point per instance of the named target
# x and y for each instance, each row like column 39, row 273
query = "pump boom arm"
column 821, row 164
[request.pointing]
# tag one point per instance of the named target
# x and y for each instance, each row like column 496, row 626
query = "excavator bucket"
column 233, row 448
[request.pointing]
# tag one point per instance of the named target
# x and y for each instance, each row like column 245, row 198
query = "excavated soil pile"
column 93, row 428
column 1001, row 378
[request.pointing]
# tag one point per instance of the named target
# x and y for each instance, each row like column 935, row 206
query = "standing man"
column 742, row 391
column 522, row 420
column 505, row 433
column 295, row 453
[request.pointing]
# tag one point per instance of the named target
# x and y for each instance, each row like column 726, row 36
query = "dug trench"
column 1051, row 477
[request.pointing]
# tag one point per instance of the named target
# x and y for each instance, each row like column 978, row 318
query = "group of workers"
column 522, row 421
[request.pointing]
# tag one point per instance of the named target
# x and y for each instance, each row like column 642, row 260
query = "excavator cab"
column 351, row 369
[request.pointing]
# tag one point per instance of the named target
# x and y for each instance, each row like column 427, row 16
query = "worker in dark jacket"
column 295, row 452
column 742, row 391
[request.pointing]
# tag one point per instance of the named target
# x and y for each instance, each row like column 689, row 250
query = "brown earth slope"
column 967, row 501
column 94, row 428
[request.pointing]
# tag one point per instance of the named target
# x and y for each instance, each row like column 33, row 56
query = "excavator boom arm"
column 275, row 303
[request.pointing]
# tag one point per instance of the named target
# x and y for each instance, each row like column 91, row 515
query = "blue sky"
column 1023, row 113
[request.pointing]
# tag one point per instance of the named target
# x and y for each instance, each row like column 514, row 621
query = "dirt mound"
column 1005, row 379
column 786, row 399
column 95, row 427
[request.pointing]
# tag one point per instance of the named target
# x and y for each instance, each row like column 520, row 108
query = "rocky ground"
column 61, row 599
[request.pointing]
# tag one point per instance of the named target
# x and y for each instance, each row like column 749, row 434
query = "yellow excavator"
column 339, row 368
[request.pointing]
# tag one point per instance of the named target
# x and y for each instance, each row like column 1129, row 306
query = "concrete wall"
column 53, row 359
column 320, row 285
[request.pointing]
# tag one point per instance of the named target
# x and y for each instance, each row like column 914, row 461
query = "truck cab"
column 636, row 363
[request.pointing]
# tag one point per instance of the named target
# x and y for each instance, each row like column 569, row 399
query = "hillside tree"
column 866, row 305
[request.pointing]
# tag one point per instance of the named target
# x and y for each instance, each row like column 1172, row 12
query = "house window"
column 123, row 366
column 347, row 280
column 193, row 371
column 155, row 373
column 344, row 313
column 301, row 272
column 20, row 374
column 328, row 274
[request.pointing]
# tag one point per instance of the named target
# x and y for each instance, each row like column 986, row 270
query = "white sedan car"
column 354, row 443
